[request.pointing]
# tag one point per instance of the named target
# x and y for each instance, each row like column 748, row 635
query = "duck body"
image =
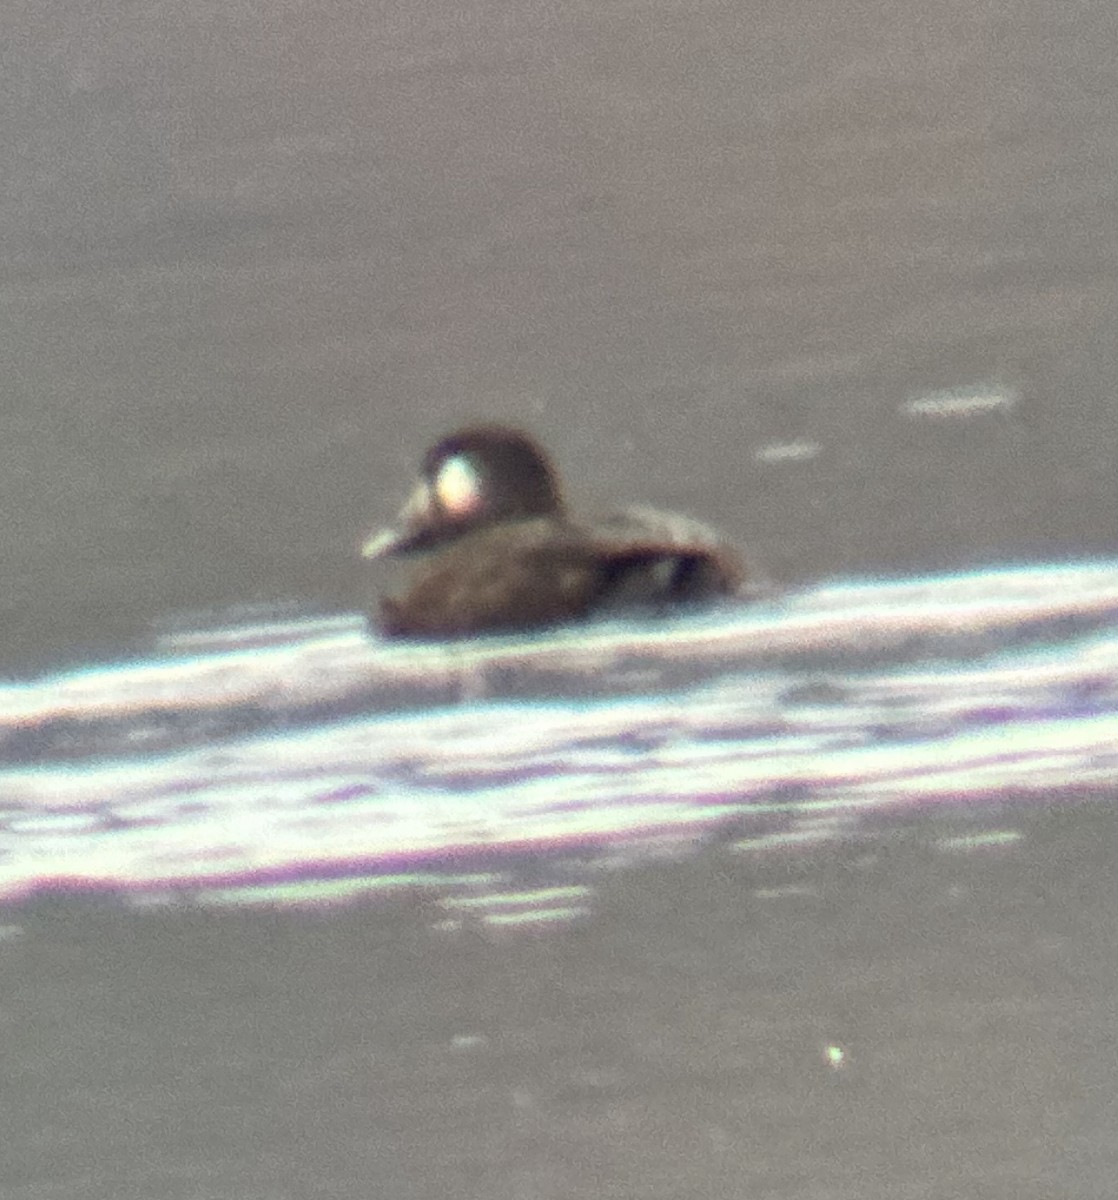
column 496, row 550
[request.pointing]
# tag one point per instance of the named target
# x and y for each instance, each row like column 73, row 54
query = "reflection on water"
column 302, row 760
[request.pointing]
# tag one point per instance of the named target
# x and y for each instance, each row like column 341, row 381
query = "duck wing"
column 652, row 556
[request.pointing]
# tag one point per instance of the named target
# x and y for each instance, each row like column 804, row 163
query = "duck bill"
column 408, row 530
column 381, row 544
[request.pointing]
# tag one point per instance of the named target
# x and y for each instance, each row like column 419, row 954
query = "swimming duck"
column 497, row 549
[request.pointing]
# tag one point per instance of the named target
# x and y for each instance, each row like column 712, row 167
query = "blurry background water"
column 808, row 900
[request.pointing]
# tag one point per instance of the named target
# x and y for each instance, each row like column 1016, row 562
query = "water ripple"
column 305, row 759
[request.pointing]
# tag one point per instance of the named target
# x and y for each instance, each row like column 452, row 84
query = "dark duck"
column 495, row 548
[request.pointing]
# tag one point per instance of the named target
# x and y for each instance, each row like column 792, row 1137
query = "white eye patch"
column 457, row 487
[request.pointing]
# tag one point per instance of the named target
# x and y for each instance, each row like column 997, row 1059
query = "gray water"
column 813, row 897
column 840, row 279
column 258, row 256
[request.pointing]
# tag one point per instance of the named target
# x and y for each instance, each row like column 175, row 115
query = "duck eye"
column 457, row 487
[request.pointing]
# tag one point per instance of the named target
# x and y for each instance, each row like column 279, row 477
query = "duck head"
column 476, row 477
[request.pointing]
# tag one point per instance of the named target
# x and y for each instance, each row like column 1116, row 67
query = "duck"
column 495, row 548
